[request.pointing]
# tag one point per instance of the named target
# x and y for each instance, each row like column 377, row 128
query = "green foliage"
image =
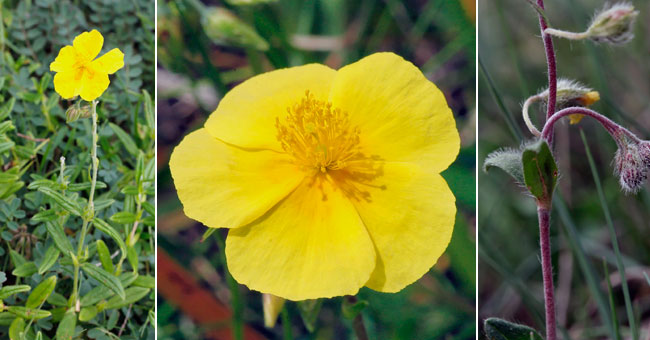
column 540, row 171
column 45, row 177
column 498, row 329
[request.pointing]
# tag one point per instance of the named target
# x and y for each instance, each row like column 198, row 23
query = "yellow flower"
column 78, row 73
column 329, row 180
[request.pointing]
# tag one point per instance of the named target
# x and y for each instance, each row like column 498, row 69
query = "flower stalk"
column 90, row 210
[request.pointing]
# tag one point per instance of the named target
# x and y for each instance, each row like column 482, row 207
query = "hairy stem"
column 90, row 211
column 566, row 34
column 614, row 129
column 552, row 68
column 543, row 215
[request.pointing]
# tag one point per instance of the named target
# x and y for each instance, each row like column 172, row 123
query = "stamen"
column 318, row 136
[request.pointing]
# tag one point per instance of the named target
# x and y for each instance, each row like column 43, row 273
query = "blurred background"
column 205, row 49
column 512, row 68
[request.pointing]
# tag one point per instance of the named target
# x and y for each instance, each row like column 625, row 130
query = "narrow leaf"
column 49, row 259
column 64, row 202
column 8, row 291
column 498, row 329
column 105, row 278
column 55, row 231
column 41, row 292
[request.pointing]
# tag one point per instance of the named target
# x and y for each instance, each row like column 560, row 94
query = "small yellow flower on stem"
column 328, row 180
column 78, row 74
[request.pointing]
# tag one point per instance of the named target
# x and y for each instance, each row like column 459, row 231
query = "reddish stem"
column 614, row 129
column 547, row 270
column 552, row 68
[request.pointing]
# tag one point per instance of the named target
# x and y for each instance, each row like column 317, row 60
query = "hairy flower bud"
column 632, row 162
column 572, row 93
column 613, row 24
column 76, row 112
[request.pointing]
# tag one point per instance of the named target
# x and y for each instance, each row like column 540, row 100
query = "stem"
column 614, row 129
column 547, row 270
column 357, row 324
column 90, row 213
column 566, row 34
column 524, row 113
column 552, row 68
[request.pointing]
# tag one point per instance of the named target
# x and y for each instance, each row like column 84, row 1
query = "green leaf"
column 508, row 160
column 145, row 281
column 85, row 186
column 16, row 258
column 130, row 190
column 64, row 202
column 105, row 256
column 51, row 255
column 148, row 110
column 207, row 234
column 6, row 318
column 8, row 291
column 540, row 170
column 41, row 292
column 107, row 279
column 57, row 299
column 110, row 231
column 133, row 294
column 45, row 216
column 351, row 310
column 132, row 256
column 17, row 329
column 28, row 313
column 126, row 140
column 7, row 177
column 6, row 126
column 26, row 269
column 123, row 217
column 65, row 331
column 87, row 313
column 55, row 231
column 498, row 329
column 101, row 293
column 309, row 310
column 6, row 109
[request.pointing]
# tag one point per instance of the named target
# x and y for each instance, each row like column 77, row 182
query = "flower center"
column 318, row 136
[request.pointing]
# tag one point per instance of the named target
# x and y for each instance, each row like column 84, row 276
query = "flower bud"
column 632, row 162
column 572, row 93
column 272, row 306
column 76, row 112
column 613, row 24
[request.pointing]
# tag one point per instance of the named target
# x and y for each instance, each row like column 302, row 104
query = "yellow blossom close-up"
column 328, row 180
column 79, row 73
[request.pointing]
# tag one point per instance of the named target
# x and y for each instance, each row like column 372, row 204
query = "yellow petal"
column 409, row 213
column 67, row 83
column 225, row 186
column 312, row 245
column 88, row 44
column 65, row 61
column 246, row 115
column 402, row 116
column 93, row 84
column 110, row 62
